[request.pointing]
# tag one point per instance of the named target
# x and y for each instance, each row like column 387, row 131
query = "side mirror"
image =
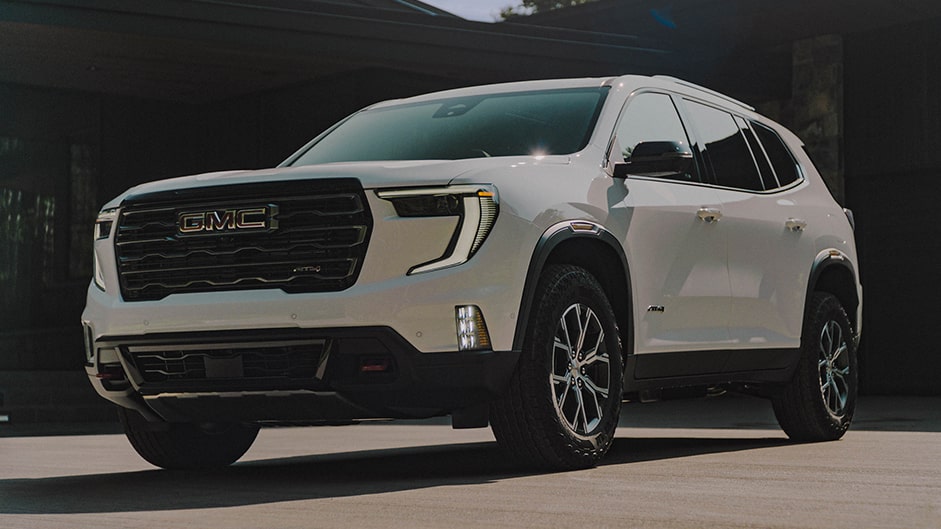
column 663, row 159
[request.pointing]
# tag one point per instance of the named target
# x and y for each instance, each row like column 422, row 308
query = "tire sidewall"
column 560, row 290
column 826, row 308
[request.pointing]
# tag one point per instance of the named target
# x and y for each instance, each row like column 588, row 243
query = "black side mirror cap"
column 656, row 158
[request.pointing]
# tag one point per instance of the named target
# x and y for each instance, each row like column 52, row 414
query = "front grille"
column 312, row 237
column 286, row 360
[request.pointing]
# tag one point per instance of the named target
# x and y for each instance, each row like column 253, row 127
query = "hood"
column 372, row 175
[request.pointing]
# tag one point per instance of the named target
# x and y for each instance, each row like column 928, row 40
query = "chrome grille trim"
column 318, row 244
column 303, row 359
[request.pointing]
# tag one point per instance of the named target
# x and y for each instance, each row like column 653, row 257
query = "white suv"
column 525, row 255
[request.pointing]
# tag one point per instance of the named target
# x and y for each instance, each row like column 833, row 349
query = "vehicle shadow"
column 316, row 476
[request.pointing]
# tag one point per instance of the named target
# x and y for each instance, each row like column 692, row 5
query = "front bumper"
column 418, row 307
column 293, row 375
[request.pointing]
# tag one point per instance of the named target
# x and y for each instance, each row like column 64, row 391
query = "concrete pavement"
column 709, row 463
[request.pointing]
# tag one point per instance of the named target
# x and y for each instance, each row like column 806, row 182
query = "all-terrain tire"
column 819, row 402
column 187, row 446
column 562, row 406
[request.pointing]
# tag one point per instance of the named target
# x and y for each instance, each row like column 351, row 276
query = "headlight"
column 103, row 225
column 475, row 205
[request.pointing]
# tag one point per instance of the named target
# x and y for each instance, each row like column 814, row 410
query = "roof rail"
column 704, row 89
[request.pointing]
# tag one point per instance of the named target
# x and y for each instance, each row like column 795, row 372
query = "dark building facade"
column 99, row 95
column 860, row 83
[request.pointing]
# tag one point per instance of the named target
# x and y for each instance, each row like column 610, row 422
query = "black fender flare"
column 548, row 242
column 825, row 260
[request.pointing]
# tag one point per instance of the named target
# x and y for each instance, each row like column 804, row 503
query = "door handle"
column 709, row 215
column 793, row 224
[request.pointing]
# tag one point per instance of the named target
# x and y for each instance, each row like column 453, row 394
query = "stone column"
column 817, row 105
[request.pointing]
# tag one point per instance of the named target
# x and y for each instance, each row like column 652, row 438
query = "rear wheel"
column 187, row 446
column 819, row 402
column 561, row 409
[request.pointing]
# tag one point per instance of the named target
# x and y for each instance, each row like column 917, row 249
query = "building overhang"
column 202, row 50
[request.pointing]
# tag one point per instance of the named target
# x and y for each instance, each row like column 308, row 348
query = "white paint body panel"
column 738, row 283
column 679, row 263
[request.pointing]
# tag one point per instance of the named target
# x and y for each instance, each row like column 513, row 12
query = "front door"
column 676, row 247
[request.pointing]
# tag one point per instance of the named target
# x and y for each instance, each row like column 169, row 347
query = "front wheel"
column 819, row 402
column 561, row 409
column 187, row 446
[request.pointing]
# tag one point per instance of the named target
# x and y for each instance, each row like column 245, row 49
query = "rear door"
column 766, row 221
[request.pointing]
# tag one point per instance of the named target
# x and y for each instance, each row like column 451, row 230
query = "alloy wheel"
column 834, row 368
column 581, row 374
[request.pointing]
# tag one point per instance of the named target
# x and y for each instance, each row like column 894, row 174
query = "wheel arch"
column 592, row 247
column 835, row 274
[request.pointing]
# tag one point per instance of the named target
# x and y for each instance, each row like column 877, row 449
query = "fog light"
column 471, row 329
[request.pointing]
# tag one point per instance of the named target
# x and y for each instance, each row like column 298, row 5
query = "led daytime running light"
column 472, row 332
column 480, row 207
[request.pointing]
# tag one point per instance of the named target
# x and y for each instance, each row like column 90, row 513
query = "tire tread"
column 185, row 446
column 799, row 408
column 524, row 422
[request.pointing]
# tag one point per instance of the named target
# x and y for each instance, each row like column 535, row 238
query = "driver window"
column 652, row 117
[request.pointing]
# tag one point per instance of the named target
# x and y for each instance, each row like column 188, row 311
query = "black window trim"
column 704, row 152
column 787, row 149
column 764, row 152
column 705, row 172
column 751, row 139
column 680, row 101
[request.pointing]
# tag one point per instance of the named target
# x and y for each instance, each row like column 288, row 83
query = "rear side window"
column 785, row 168
column 725, row 147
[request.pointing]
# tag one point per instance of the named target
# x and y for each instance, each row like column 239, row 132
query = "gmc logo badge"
column 228, row 220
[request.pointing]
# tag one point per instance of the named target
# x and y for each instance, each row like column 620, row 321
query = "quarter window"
column 725, row 147
column 764, row 168
column 781, row 159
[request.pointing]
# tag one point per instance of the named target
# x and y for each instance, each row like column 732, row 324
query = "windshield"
column 521, row 123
